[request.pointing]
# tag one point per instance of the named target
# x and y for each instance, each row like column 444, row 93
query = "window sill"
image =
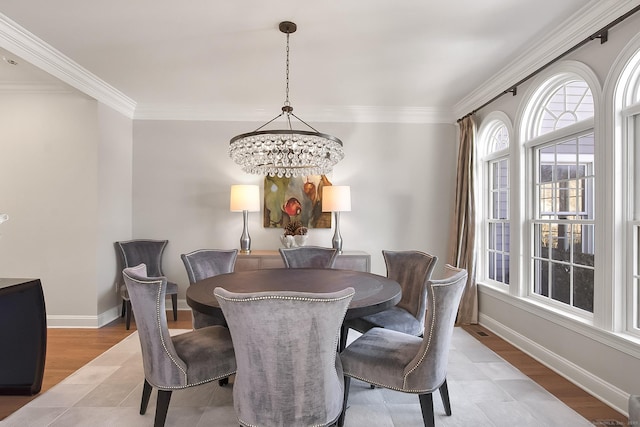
column 620, row 341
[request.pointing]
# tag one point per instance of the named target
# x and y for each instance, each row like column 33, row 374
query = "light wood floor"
column 70, row 349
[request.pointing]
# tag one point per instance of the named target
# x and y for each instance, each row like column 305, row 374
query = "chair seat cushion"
column 172, row 288
column 397, row 319
column 202, row 320
column 208, row 353
column 380, row 356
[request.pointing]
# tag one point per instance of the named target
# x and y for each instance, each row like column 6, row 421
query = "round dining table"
column 373, row 293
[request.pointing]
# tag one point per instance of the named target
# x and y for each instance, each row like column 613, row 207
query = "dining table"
column 373, row 293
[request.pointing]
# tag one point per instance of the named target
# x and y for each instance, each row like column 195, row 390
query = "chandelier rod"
column 311, row 127
column 276, row 117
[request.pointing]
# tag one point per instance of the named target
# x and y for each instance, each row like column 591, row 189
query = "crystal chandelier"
column 286, row 152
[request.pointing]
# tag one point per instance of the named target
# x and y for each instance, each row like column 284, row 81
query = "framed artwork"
column 295, row 199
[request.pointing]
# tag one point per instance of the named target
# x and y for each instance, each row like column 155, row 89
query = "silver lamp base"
column 336, row 242
column 245, row 239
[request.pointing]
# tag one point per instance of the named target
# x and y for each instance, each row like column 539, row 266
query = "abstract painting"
column 295, row 199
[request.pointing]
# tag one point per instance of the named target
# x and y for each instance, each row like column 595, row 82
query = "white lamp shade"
column 336, row 198
column 245, row 198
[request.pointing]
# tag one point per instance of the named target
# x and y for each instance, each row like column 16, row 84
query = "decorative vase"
column 300, row 240
column 289, row 241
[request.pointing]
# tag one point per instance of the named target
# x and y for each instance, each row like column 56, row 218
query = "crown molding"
column 330, row 114
column 33, row 87
column 19, row 41
column 584, row 23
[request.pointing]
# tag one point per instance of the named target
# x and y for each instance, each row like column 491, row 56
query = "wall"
column 402, row 179
column 114, row 169
column 75, row 177
column 57, row 201
column 605, row 363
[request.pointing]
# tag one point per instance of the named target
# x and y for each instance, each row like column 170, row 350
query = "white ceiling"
column 168, row 58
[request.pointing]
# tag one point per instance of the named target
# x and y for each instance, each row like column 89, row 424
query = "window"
column 494, row 138
column 628, row 106
column 564, row 222
column 634, row 139
column 562, row 218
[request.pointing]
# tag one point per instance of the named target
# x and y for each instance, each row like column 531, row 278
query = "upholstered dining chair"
column 406, row 363
column 205, row 263
column 149, row 253
column 412, row 270
column 289, row 372
column 173, row 362
column 309, row 257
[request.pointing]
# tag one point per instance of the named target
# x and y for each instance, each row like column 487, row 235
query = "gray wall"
column 402, row 179
column 65, row 181
column 75, row 177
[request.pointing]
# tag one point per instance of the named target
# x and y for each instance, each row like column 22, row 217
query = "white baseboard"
column 602, row 390
column 108, row 316
column 66, row 321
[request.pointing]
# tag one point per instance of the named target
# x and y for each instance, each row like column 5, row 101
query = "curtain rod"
column 601, row 34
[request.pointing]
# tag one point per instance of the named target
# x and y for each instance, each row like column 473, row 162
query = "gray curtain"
column 463, row 228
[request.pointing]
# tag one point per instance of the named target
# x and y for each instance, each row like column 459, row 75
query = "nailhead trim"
column 293, row 298
column 426, row 350
column 424, row 354
column 284, row 297
column 187, row 384
column 389, row 387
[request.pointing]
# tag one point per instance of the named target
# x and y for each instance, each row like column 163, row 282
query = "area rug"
column 485, row 390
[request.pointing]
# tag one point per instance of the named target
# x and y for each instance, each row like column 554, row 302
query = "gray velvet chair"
column 173, row 363
column 148, row 252
column 407, row 363
column 309, row 257
column 412, row 270
column 289, row 373
column 205, row 263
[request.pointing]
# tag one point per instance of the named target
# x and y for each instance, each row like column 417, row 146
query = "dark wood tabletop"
column 373, row 293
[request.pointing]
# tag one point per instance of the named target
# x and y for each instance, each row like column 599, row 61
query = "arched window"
column 627, row 106
column 559, row 136
column 494, row 139
column 568, row 104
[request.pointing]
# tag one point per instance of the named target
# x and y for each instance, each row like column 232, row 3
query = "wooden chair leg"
column 128, row 314
column 164, row 397
column 426, row 404
column 174, row 303
column 146, row 394
column 124, row 308
column 343, row 414
column 444, row 393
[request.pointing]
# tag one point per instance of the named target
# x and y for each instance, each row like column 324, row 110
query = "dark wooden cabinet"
column 23, row 336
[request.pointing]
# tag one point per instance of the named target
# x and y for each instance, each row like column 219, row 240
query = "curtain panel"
column 463, row 228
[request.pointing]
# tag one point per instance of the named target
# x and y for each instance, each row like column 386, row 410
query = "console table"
column 259, row 260
column 23, row 334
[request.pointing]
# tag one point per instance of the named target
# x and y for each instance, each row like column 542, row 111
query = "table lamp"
column 245, row 199
column 336, row 199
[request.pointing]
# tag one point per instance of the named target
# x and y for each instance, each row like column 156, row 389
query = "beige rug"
column 485, row 390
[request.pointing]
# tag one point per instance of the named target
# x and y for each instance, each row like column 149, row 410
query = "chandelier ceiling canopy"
column 286, row 152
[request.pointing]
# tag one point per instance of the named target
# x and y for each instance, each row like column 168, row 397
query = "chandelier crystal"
column 286, row 152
